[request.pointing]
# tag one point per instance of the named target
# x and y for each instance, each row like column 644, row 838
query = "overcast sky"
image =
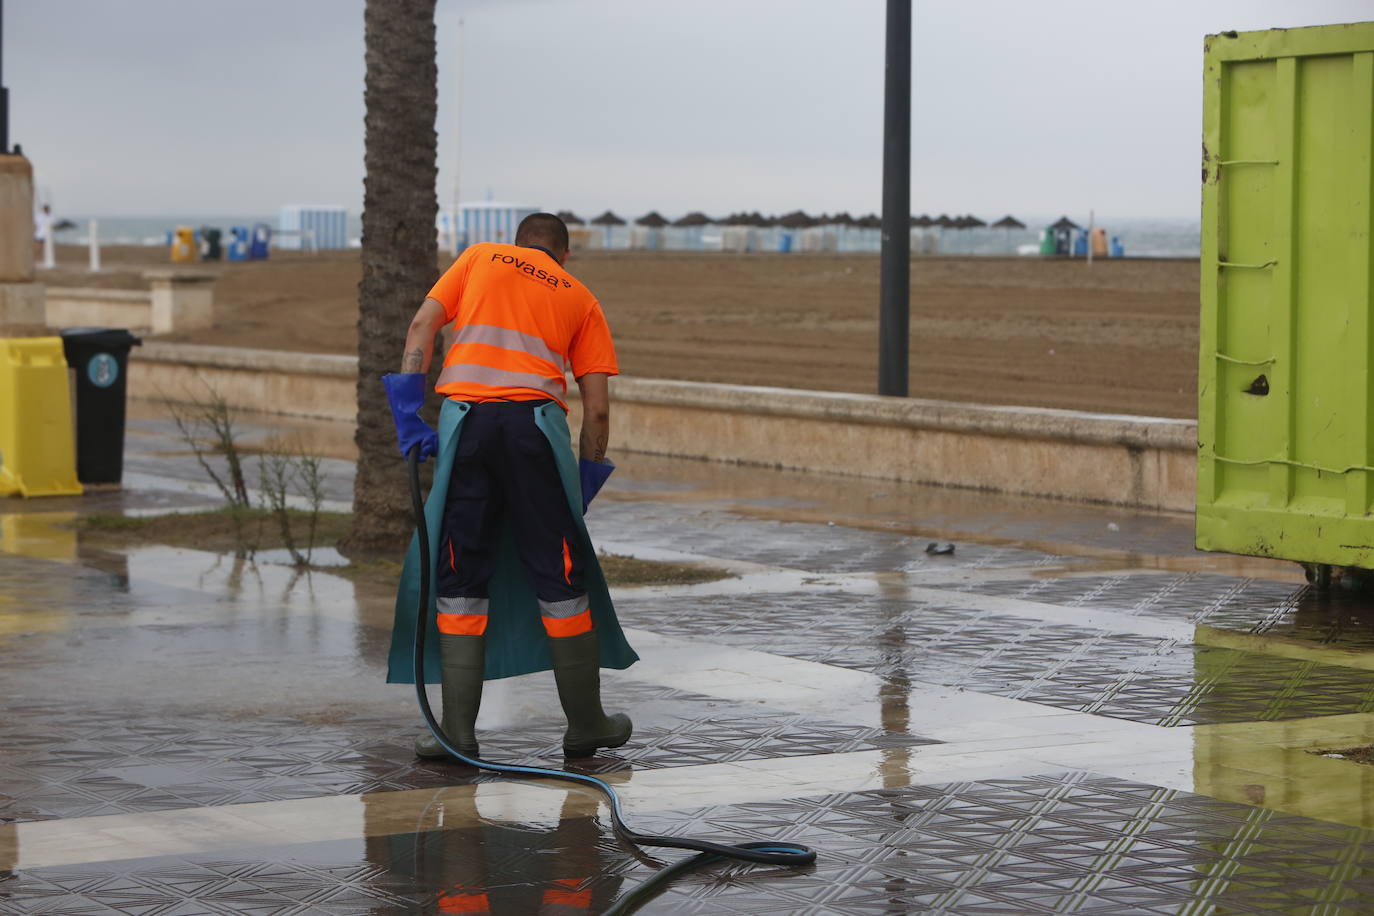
column 169, row 107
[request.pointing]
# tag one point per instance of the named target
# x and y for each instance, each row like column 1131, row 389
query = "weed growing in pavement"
column 212, row 419
column 208, row 429
column 213, row 415
column 281, row 470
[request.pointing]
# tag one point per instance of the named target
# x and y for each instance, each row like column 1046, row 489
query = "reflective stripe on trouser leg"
column 462, row 616
column 566, row 618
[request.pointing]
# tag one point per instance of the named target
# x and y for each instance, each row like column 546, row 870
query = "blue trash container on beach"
column 237, row 249
column 1080, row 245
column 262, row 240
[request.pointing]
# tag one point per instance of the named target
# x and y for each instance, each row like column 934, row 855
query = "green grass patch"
column 223, row 530
column 229, row 530
column 622, row 570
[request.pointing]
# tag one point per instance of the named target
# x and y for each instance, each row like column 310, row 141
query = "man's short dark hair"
column 544, row 230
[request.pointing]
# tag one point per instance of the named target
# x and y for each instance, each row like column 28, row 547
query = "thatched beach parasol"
column 695, row 218
column 570, row 218
column 652, row 220
column 608, row 219
column 746, row 219
column 1008, row 223
column 797, row 219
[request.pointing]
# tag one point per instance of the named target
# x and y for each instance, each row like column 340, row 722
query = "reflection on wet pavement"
column 70, row 763
column 188, row 733
column 1070, row 842
column 1143, row 678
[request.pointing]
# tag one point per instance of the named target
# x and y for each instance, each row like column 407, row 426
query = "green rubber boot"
column 577, row 670
column 462, row 660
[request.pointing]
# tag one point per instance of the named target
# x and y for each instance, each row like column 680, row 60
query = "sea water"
column 1150, row 238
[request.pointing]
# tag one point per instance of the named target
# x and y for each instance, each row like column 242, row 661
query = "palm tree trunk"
column 399, row 253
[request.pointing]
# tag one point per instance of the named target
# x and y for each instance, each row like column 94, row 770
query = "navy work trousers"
column 504, row 468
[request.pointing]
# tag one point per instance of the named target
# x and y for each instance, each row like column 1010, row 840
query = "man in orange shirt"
column 519, row 319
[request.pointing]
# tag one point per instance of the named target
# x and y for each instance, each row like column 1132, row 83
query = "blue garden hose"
column 761, row 853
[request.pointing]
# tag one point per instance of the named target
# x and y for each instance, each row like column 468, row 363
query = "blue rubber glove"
column 405, row 391
column 593, row 474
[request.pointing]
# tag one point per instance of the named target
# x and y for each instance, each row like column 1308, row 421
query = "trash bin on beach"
column 1098, row 242
column 262, row 240
column 210, row 237
column 183, row 244
column 100, row 358
column 237, row 249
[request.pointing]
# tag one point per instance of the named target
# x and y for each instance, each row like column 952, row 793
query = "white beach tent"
column 489, row 221
column 312, row 228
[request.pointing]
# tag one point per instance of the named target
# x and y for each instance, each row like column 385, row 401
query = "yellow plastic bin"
column 184, row 245
column 37, row 451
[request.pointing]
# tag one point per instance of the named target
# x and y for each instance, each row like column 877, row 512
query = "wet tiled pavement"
column 1071, row 713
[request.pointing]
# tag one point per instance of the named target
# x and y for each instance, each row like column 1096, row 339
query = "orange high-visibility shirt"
column 519, row 320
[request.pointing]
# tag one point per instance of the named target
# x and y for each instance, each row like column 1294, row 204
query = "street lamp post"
column 4, row 93
column 894, row 311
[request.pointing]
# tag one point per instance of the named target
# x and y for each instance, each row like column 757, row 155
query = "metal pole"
column 894, row 310
column 455, row 239
column 93, row 238
column 4, row 93
column 1092, row 219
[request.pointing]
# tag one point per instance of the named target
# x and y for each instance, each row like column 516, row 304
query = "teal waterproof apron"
column 516, row 642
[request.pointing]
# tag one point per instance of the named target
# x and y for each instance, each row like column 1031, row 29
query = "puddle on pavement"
column 1021, row 843
column 1271, row 765
column 763, row 677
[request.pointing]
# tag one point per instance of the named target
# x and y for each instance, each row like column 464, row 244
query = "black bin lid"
column 111, row 338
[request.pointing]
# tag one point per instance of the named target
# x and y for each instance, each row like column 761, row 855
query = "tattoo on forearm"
column 599, row 452
column 413, row 361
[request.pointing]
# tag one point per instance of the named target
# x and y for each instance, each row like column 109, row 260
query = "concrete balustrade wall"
column 1141, row 462
column 91, row 307
column 313, row 385
column 176, row 300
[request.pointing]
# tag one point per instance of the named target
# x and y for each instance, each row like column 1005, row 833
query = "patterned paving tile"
column 56, row 762
column 1065, row 843
column 795, row 545
column 1297, row 612
column 1142, row 678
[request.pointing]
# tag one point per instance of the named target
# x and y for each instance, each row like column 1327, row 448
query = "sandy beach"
column 1119, row 336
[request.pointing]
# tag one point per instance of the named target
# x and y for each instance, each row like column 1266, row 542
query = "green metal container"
column 1286, row 439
